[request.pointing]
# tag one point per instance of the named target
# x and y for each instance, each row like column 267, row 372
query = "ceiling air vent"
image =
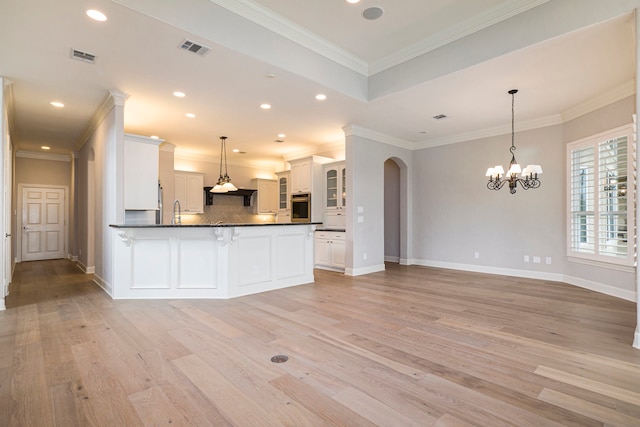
column 83, row 56
column 194, row 47
column 440, row 116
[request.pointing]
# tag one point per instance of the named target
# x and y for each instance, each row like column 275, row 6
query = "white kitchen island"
column 208, row 261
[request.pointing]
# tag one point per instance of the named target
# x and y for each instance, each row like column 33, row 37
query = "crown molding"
column 491, row 17
column 355, row 130
column 43, row 156
column 115, row 98
column 266, row 18
column 488, row 133
column 616, row 94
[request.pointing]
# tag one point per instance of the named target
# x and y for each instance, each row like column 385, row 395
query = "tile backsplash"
column 228, row 210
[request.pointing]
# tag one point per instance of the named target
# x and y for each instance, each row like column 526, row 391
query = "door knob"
column 7, row 234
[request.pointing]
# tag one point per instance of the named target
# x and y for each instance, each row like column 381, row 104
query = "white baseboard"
column 84, row 268
column 601, row 287
column 636, row 339
column 363, row 270
column 2, row 305
column 104, row 285
column 540, row 275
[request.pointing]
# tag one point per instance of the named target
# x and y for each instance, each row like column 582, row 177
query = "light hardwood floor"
column 411, row 346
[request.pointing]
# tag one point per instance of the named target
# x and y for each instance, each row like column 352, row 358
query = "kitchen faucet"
column 173, row 220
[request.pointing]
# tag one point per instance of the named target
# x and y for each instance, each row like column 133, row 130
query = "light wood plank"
column 409, row 345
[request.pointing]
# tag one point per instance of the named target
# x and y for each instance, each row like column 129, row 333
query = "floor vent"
column 83, row 56
column 194, row 47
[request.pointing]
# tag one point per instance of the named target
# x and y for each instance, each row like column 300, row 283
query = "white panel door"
column 43, row 223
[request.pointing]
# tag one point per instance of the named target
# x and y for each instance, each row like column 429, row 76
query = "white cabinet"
column 189, row 190
column 141, row 157
column 330, row 250
column 301, row 176
column 284, row 193
column 335, row 219
column 335, row 175
column 335, row 194
column 266, row 198
column 306, row 176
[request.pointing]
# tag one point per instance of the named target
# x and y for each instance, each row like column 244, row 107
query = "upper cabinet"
column 266, row 198
column 189, row 191
column 336, row 185
column 141, row 157
column 301, row 177
column 284, row 192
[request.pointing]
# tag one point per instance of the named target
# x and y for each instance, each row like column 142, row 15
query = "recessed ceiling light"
column 321, row 97
column 190, row 115
column 353, row 1
column 235, row 150
column 179, row 94
column 271, row 76
column 44, row 147
column 154, row 137
column 96, row 15
column 57, row 104
column 281, row 135
column 265, row 106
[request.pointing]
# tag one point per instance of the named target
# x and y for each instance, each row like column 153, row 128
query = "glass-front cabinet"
column 336, row 185
column 284, row 196
column 335, row 195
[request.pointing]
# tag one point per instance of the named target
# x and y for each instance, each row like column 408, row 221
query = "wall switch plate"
column 526, row 258
column 360, row 209
column 360, row 219
column 536, row 260
column 547, row 260
column 477, row 255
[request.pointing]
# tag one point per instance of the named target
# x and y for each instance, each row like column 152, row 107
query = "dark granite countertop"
column 258, row 224
column 330, row 229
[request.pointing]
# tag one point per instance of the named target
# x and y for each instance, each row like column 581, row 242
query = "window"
column 601, row 210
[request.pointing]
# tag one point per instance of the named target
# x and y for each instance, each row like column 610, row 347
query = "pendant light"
column 224, row 184
column 529, row 175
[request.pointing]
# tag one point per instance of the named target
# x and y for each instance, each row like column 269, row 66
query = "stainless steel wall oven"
column 301, row 207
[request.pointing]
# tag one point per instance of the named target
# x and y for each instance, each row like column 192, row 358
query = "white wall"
column 453, row 215
column 100, row 189
column 365, row 190
column 459, row 216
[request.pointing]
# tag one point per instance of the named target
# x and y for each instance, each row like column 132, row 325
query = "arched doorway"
column 395, row 211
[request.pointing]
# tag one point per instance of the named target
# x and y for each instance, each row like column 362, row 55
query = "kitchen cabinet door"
column 301, row 177
column 266, row 198
column 330, row 250
column 189, row 190
column 284, row 193
column 335, row 186
column 141, row 159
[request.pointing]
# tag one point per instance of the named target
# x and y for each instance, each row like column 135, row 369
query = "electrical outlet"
column 364, row 255
column 547, row 260
column 536, row 260
column 477, row 255
column 526, row 258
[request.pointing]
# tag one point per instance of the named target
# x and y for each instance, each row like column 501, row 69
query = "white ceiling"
column 317, row 46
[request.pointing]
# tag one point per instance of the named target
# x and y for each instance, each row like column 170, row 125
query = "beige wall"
column 43, row 172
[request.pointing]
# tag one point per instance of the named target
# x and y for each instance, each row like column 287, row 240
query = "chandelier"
column 224, row 184
column 528, row 179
